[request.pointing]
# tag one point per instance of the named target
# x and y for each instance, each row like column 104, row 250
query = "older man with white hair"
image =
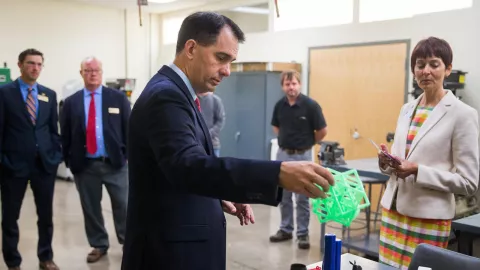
column 94, row 124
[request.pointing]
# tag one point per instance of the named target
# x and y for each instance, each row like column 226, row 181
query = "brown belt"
column 294, row 151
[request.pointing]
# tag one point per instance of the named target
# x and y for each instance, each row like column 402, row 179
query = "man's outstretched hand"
column 244, row 212
column 302, row 177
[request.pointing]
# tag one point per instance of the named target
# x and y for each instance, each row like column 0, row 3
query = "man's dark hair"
column 288, row 75
column 24, row 54
column 204, row 28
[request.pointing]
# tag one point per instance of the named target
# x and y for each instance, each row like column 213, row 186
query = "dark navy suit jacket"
column 175, row 219
column 20, row 140
column 115, row 114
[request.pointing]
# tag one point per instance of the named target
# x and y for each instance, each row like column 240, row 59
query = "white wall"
column 68, row 32
column 249, row 22
column 142, row 48
column 459, row 28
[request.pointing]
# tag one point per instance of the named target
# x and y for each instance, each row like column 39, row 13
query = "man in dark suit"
column 177, row 184
column 30, row 152
column 94, row 124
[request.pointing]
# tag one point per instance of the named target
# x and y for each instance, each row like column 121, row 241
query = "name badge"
column 43, row 98
column 114, row 110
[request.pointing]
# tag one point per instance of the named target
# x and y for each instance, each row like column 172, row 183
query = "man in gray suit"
column 214, row 115
column 94, row 123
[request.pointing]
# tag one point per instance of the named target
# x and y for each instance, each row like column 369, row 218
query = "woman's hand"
column 383, row 160
column 402, row 168
column 405, row 169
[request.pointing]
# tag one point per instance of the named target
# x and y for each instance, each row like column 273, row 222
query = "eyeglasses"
column 89, row 71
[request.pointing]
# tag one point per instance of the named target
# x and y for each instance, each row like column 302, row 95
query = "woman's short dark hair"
column 204, row 28
column 432, row 47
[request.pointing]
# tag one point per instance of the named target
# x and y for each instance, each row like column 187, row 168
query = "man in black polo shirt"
column 299, row 123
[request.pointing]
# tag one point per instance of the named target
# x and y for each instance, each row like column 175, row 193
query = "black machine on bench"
column 331, row 154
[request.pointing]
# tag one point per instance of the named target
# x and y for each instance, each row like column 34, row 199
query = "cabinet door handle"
column 237, row 135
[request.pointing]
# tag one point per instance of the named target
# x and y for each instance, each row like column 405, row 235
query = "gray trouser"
column 303, row 205
column 90, row 188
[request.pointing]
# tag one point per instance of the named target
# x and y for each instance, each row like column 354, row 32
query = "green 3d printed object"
column 344, row 200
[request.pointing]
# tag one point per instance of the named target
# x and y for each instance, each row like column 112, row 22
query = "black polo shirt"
column 297, row 123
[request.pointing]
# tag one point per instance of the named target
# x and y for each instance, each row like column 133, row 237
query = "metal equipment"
column 465, row 206
column 125, row 85
column 5, row 74
column 331, row 154
column 390, row 137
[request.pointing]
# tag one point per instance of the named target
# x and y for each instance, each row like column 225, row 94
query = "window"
column 296, row 14
column 170, row 29
column 380, row 10
column 431, row 6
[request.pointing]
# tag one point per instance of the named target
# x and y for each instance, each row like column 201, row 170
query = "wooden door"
column 360, row 88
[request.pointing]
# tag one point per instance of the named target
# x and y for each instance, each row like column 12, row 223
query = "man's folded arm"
column 188, row 167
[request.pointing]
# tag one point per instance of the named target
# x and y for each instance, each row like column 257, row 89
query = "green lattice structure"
column 344, row 200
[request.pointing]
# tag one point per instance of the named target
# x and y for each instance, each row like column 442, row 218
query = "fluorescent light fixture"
column 251, row 10
column 161, row 1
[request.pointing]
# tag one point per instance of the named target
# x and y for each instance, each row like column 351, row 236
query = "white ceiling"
column 174, row 6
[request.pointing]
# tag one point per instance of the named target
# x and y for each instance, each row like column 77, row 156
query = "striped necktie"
column 31, row 106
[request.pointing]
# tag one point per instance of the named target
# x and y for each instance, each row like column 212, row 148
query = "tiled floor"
column 248, row 247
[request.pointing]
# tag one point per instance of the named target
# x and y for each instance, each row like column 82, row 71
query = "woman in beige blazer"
column 436, row 142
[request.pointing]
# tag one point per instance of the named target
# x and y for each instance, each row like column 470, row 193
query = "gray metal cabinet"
column 249, row 99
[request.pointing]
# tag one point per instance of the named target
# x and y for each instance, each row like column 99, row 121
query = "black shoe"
column 280, row 236
column 303, row 242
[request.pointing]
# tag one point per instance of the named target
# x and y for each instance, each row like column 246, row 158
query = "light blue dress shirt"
column 101, row 152
column 24, row 89
column 184, row 78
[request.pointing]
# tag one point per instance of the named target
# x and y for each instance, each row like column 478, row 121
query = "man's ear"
column 190, row 47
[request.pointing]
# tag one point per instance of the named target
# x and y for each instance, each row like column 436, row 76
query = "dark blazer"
column 21, row 141
column 175, row 219
column 73, row 128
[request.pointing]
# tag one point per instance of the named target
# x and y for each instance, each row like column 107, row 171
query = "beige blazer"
column 446, row 149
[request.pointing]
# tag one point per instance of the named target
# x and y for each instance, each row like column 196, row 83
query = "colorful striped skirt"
column 400, row 235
